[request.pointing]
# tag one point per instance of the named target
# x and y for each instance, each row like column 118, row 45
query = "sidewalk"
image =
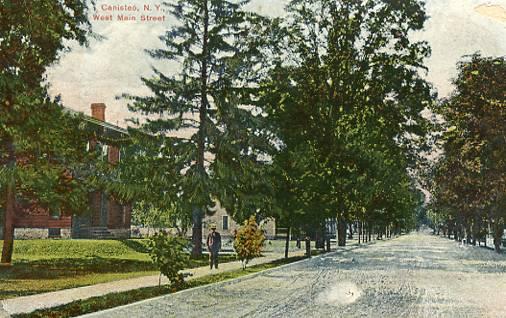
column 31, row 303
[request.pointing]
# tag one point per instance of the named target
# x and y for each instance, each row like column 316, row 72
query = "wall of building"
column 37, row 233
column 221, row 217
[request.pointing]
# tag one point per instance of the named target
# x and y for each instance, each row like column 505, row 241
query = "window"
column 225, row 222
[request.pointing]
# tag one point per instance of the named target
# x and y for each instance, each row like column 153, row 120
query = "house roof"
column 97, row 122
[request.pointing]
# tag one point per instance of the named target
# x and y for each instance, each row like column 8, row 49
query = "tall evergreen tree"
column 218, row 47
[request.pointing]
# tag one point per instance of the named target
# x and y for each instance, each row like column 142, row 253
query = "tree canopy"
column 38, row 139
column 469, row 180
column 345, row 99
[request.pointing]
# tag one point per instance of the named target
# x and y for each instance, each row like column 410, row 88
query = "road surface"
column 417, row 275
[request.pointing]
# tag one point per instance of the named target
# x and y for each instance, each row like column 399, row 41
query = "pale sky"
column 114, row 65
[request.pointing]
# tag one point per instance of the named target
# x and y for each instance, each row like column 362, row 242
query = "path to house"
column 47, row 300
column 417, row 275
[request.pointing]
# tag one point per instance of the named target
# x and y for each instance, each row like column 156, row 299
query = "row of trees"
column 346, row 105
column 303, row 118
column 469, row 182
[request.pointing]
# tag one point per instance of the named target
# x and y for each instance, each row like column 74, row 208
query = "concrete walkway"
column 31, row 303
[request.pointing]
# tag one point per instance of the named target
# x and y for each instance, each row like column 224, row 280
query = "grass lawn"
column 48, row 265
column 82, row 307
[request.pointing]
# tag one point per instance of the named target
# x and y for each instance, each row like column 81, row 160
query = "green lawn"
column 48, row 265
column 94, row 304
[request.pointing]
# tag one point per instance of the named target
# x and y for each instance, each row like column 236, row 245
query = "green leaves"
column 343, row 104
column 470, row 178
column 220, row 50
column 168, row 254
column 248, row 241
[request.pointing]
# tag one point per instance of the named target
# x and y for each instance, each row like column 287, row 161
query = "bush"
column 249, row 241
column 168, row 254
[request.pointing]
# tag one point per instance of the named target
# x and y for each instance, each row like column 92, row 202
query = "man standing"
column 213, row 246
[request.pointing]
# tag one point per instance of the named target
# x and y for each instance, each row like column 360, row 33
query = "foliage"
column 168, row 254
column 35, row 150
column 470, row 178
column 345, row 101
column 53, row 168
column 217, row 46
column 249, row 241
column 148, row 216
column 147, row 180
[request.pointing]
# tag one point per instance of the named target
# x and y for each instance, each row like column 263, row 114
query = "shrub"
column 249, row 241
column 168, row 254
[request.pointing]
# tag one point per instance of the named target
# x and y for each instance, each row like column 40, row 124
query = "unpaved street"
column 417, row 275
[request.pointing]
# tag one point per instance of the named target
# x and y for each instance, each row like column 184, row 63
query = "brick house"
column 107, row 218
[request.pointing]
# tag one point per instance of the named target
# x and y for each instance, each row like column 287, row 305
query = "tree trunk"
column 287, row 243
column 197, row 233
column 308, row 246
column 498, row 233
column 359, row 231
column 9, row 211
column 341, row 231
column 468, row 233
column 197, row 214
column 475, row 230
column 350, row 228
column 8, row 246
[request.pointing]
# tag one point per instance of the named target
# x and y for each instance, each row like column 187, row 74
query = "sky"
column 113, row 66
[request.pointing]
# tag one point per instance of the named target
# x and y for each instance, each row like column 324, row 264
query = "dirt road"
column 416, row 275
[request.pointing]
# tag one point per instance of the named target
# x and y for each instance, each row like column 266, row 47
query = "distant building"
column 226, row 225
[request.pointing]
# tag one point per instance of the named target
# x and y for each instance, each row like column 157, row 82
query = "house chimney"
column 98, row 111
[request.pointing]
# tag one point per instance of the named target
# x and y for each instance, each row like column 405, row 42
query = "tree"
column 346, row 100
column 249, row 241
column 470, row 178
column 32, row 34
column 148, row 216
column 168, row 254
column 145, row 178
column 218, row 48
